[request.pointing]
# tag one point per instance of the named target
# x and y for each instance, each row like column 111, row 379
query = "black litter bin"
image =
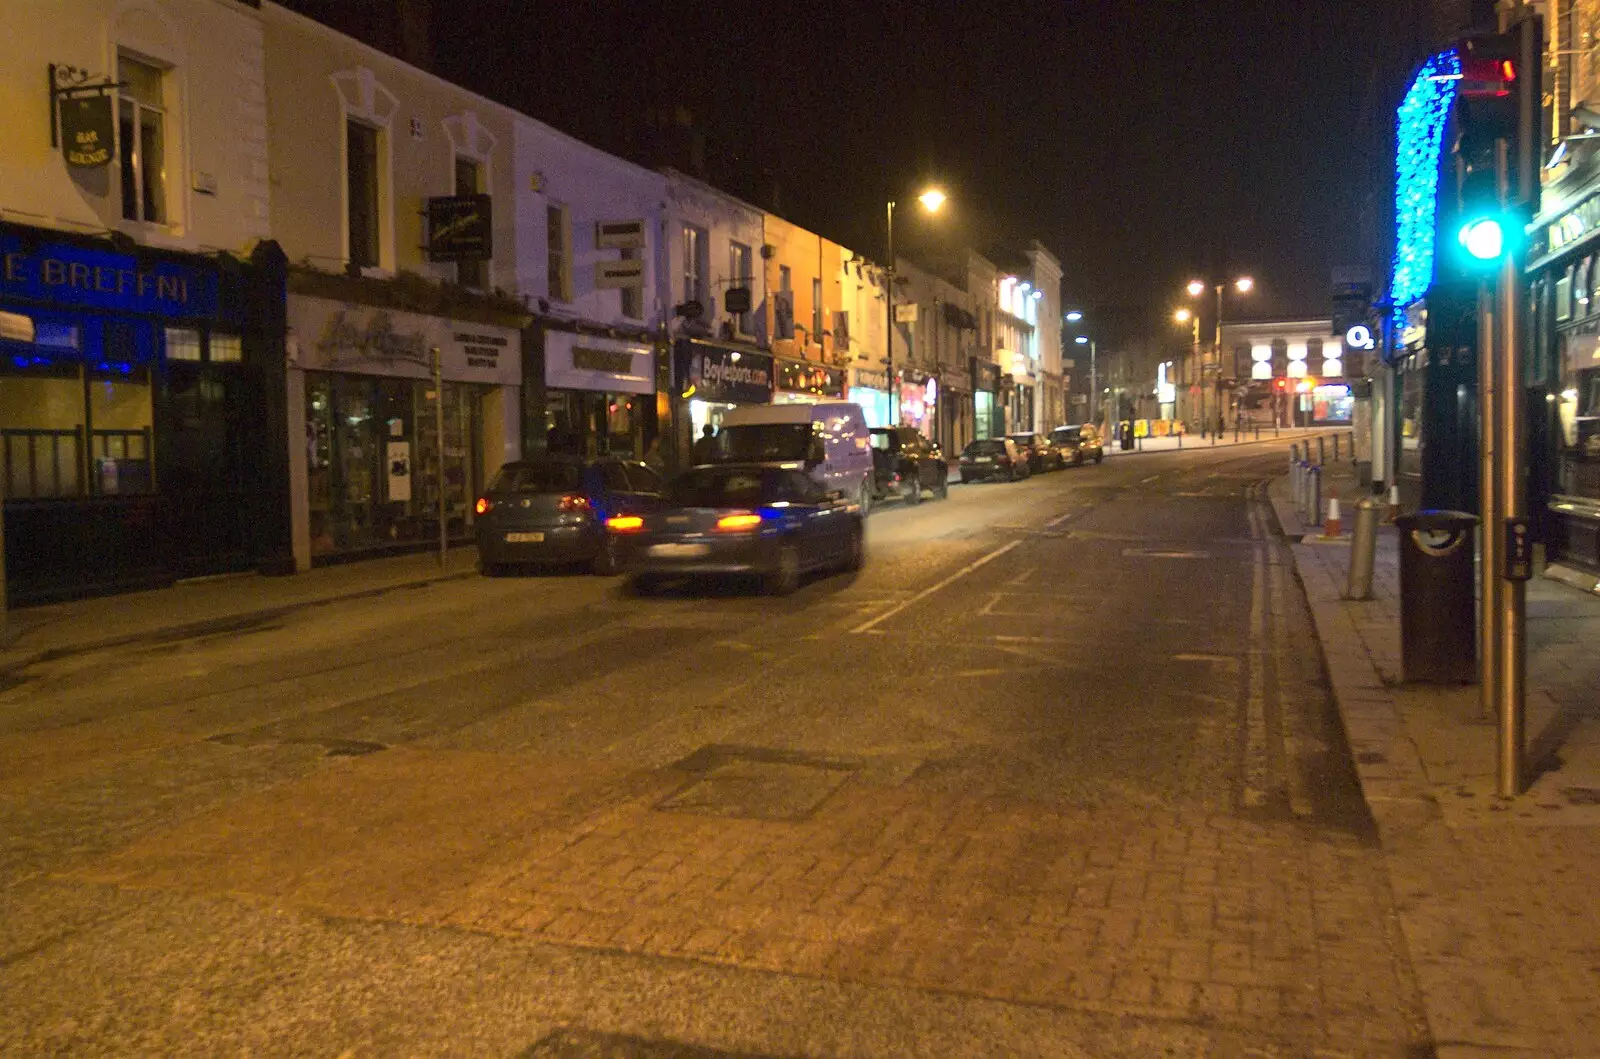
column 1438, row 614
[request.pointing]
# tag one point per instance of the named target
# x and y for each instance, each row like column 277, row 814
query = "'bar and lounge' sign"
column 460, row 228
column 86, row 131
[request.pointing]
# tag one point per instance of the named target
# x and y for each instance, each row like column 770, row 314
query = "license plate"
column 984, row 459
column 679, row 551
column 525, row 538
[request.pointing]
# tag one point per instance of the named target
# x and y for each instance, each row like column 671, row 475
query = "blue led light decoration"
column 1419, row 138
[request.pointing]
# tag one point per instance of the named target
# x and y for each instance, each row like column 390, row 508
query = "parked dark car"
column 1080, row 444
column 908, row 465
column 554, row 510
column 993, row 458
column 767, row 520
column 1040, row 452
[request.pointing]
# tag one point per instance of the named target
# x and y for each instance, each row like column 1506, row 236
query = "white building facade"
column 404, row 379
column 590, row 260
column 139, row 302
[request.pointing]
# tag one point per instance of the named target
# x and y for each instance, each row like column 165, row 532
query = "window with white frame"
column 694, row 265
column 142, row 138
column 558, row 238
column 740, row 275
column 632, row 297
column 361, row 185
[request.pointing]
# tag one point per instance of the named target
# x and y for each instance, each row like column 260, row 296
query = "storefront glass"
column 919, row 403
column 374, row 460
column 599, row 424
column 983, row 415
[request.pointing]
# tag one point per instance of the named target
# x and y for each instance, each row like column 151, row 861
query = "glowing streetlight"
column 1196, row 288
column 931, row 200
column 1244, row 284
column 1183, row 316
column 1074, row 316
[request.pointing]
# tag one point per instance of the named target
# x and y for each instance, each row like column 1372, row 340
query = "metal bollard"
column 1363, row 548
column 1336, row 448
column 1300, row 494
column 1258, row 431
column 1294, row 483
column 1321, row 457
column 1315, row 491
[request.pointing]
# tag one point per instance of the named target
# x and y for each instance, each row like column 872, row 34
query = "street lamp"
column 1197, row 287
column 931, row 200
column 1094, row 383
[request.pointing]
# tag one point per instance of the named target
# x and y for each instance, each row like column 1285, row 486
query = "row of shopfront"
column 166, row 415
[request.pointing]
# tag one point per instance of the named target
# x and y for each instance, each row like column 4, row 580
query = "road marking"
column 988, row 608
column 1022, row 578
column 1059, row 519
column 1157, row 553
column 867, row 626
column 1227, row 662
column 984, row 672
column 1147, row 481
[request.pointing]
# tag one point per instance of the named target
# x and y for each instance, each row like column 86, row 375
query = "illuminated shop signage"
column 60, row 274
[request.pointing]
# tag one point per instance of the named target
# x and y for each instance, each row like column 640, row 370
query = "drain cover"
column 586, row 1044
column 756, row 784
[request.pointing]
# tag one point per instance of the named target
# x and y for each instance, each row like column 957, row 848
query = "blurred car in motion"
column 1079, row 444
column 553, row 510
column 827, row 438
column 1040, row 452
column 908, row 465
column 768, row 520
column 992, row 458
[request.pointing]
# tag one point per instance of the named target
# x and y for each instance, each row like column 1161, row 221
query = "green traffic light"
column 1484, row 238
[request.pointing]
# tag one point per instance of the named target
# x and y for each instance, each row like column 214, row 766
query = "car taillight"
column 624, row 523
column 573, row 503
column 485, row 505
column 738, row 523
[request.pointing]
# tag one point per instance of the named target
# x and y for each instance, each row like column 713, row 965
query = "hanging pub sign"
column 460, row 228
column 86, row 131
column 80, row 116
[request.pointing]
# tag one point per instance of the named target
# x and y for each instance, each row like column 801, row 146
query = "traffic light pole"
column 1490, row 552
column 1507, row 513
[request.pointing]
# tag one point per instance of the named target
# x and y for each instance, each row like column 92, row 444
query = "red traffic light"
column 1283, row 384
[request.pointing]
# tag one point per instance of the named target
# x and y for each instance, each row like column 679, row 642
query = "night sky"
column 1143, row 142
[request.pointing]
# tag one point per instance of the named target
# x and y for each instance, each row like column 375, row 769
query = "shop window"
column 469, row 181
column 1580, row 288
column 141, row 131
column 225, row 349
column 632, row 297
column 1564, row 295
column 182, row 344
column 558, row 241
column 361, row 184
column 374, row 464
column 75, row 410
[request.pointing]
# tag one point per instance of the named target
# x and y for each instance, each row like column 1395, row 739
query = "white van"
column 830, row 439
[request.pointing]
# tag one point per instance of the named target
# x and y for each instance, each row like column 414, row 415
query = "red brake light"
column 624, row 523
column 738, row 523
column 572, row 503
column 484, row 505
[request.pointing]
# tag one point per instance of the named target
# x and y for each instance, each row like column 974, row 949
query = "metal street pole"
column 1094, row 386
column 888, row 324
column 1489, row 554
column 438, row 431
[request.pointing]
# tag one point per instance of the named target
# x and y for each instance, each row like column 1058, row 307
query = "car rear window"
column 725, row 487
column 1067, row 433
column 985, row 448
column 538, row 478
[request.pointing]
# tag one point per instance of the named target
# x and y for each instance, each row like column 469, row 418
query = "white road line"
column 1147, row 481
column 867, row 626
column 1059, row 519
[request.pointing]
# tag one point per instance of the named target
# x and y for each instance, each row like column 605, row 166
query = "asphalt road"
column 1056, row 774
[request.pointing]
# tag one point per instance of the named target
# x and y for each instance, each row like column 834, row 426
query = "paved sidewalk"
column 205, row 605
column 1195, row 441
column 1495, row 897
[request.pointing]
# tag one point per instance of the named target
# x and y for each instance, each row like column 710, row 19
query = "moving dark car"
column 1079, row 444
column 1040, row 452
column 771, row 521
column 554, row 510
column 993, row 458
column 908, row 465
